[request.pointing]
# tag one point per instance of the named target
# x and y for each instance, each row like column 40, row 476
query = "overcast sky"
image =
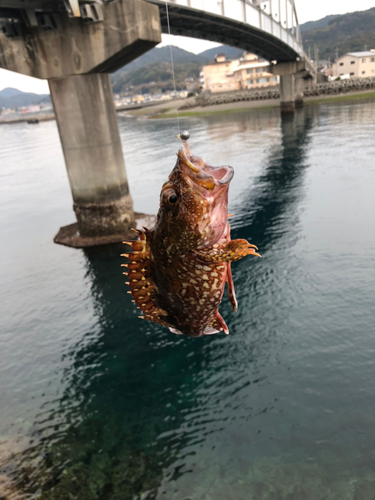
column 306, row 11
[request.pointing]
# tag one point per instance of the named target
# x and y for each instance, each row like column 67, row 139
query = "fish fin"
column 209, row 330
column 235, row 250
column 231, row 292
column 217, row 323
column 140, row 281
column 232, row 251
column 175, row 331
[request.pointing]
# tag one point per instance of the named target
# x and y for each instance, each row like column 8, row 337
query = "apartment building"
column 252, row 73
column 223, row 75
column 355, row 64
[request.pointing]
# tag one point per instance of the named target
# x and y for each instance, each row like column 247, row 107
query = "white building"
column 355, row 64
column 249, row 72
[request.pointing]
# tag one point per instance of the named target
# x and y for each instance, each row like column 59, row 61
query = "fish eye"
column 172, row 199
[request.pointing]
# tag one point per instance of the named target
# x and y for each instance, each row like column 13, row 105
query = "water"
column 96, row 404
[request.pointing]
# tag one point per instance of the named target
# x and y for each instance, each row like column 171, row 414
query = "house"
column 355, row 64
column 224, row 75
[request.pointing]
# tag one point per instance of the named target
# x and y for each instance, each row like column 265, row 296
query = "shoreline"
column 167, row 112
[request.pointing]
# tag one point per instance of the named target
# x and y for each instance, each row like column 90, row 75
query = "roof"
column 216, row 63
column 253, row 64
column 365, row 53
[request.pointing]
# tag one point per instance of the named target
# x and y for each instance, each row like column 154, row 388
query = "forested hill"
column 154, row 68
column 320, row 23
column 346, row 33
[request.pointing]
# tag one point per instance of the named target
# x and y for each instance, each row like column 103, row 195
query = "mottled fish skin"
column 178, row 269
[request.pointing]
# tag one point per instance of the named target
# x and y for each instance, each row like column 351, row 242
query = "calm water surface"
column 95, row 404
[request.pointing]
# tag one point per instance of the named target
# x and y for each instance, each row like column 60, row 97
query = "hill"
column 345, row 33
column 230, row 52
column 161, row 55
column 13, row 98
column 153, row 70
column 320, row 23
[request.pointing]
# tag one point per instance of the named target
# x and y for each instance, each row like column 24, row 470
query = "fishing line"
column 173, row 74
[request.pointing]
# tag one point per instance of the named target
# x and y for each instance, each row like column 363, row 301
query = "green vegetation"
column 158, row 76
column 152, row 71
column 341, row 98
column 341, row 34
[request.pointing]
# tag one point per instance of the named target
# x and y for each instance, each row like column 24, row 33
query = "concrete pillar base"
column 71, row 237
column 287, row 108
column 299, row 85
column 298, row 103
column 103, row 219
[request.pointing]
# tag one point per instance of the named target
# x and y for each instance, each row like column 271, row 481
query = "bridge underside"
column 199, row 24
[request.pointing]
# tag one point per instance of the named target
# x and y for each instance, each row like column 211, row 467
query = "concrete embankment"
column 317, row 90
column 32, row 118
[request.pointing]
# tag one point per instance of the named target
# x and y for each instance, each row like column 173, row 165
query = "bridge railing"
column 277, row 17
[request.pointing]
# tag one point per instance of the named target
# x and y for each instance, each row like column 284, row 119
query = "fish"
column 177, row 270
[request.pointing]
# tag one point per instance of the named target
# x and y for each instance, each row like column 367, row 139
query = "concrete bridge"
column 75, row 44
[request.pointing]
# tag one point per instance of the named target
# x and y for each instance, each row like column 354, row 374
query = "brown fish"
column 178, row 269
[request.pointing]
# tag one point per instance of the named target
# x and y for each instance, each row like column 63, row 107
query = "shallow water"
column 96, row 404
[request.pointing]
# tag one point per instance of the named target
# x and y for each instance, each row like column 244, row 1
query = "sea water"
column 97, row 404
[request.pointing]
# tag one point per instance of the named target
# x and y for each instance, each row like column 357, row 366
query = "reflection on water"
column 283, row 407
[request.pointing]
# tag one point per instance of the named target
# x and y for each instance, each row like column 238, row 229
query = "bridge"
column 75, row 44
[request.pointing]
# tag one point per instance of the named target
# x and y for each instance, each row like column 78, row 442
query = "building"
column 218, row 75
column 223, row 75
column 355, row 64
column 252, row 73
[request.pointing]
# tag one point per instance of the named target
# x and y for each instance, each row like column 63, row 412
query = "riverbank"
column 166, row 112
column 34, row 119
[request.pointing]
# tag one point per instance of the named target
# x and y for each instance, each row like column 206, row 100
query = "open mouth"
column 205, row 175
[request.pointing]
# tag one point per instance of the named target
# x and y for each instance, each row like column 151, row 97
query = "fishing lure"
column 178, row 269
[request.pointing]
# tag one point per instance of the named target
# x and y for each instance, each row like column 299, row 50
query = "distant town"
column 340, row 47
column 220, row 75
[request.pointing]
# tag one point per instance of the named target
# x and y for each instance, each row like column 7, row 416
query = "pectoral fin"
column 234, row 250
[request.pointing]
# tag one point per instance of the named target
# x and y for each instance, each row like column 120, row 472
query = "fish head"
column 193, row 203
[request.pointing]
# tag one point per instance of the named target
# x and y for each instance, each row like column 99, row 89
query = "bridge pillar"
column 292, row 83
column 299, row 85
column 90, row 139
column 75, row 51
column 287, row 94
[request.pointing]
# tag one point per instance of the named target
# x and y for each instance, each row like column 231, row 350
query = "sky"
column 306, row 11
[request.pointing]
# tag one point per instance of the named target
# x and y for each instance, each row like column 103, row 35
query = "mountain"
column 154, row 68
column 230, row 52
column 350, row 32
column 161, row 55
column 320, row 23
column 13, row 98
column 9, row 92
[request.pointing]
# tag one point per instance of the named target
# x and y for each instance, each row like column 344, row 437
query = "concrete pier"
column 291, row 84
column 287, row 95
column 75, row 47
column 299, row 84
column 90, row 139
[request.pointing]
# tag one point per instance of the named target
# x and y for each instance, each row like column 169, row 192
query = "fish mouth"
column 203, row 174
